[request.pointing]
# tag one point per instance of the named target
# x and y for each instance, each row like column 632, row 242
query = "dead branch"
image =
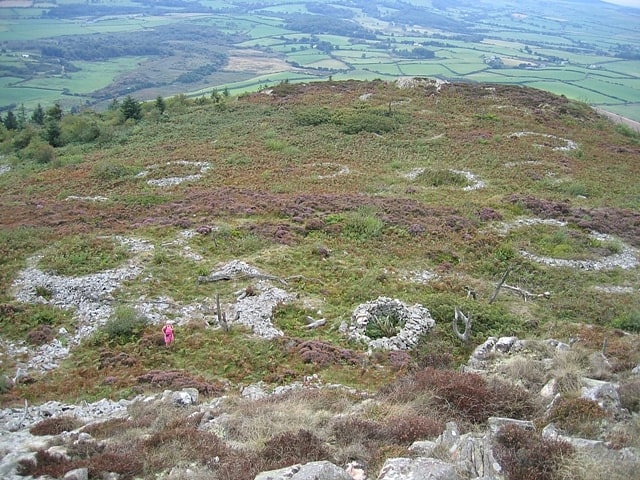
column 222, row 316
column 525, row 294
column 216, row 277
column 471, row 293
column 467, row 325
column 315, row 323
column 499, row 286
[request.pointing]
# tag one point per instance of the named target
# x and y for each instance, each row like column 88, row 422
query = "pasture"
column 571, row 51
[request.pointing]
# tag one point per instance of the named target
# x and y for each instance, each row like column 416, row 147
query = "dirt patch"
column 615, row 118
column 254, row 61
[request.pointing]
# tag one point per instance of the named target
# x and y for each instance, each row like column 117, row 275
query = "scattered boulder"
column 418, row 468
column 310, row 471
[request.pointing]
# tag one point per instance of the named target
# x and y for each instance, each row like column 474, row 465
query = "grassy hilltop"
column 347, row 191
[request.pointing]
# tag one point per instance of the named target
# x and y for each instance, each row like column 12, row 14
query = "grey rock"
column 77, row 474
column 311, row 471
column 420, row 468
column 424, row 448
column 604, row 394
column 496, row 423
column 504, row 344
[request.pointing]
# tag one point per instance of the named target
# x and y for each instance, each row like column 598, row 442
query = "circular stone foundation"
column 416, row 320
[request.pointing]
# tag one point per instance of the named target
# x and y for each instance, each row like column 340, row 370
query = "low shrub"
column 45, row 463
column 82, row 255
column 629, row 322
column 289, row 448
column 629, row 392
column 525, row 455
column 40, row 335
column 577, row 416
column 106, row 429
column 55, row 425
column 126, row 463
column 177, row 380
column 381, row 326
column 366, row 121
column 469, row 397
column 312, row 116
column 407, row 429
column 363, row 224
column 178, row 444
column 125, row 325
column 351, row 430
column 442, row 177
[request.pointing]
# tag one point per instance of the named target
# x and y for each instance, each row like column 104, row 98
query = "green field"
column 568, row 49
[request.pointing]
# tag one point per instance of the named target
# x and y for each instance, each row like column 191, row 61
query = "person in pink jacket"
column 167, row 330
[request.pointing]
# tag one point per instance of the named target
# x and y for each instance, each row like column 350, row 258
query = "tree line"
column 37, row 136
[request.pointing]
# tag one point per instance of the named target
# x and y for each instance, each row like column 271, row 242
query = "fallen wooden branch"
column 525, row 294
column 315, row 323
column 217, row 277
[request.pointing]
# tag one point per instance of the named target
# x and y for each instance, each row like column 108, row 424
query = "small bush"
column 466, row 396
column 365, row 121
column 125, row 325
column 629, row 392
column 5, row 384
column 629, row 322
column 409, row 428
column 110, row 171
column 41, row 153
column 106, row 429
column 351, row 430
column 363, row 224
column 180, row 443
column 577, row 416
column 125, row 463
column 381, row 326
column 439, row 178
column 525, row 455
column 55, row 426
column 312, row 116
column 45, row 463
column 40, row 335
column 289, row 448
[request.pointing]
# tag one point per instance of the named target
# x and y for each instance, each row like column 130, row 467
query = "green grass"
column 272, row 200
column 83, row 255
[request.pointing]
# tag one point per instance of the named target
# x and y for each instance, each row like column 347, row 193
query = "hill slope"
column 299, row 204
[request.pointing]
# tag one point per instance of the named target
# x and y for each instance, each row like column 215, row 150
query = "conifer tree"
column 55, row 112
column 10, row 121
column 131, row 108
column 37, row 116
column 160, row 104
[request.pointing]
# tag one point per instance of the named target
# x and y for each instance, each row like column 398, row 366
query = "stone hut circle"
column 413, row 321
